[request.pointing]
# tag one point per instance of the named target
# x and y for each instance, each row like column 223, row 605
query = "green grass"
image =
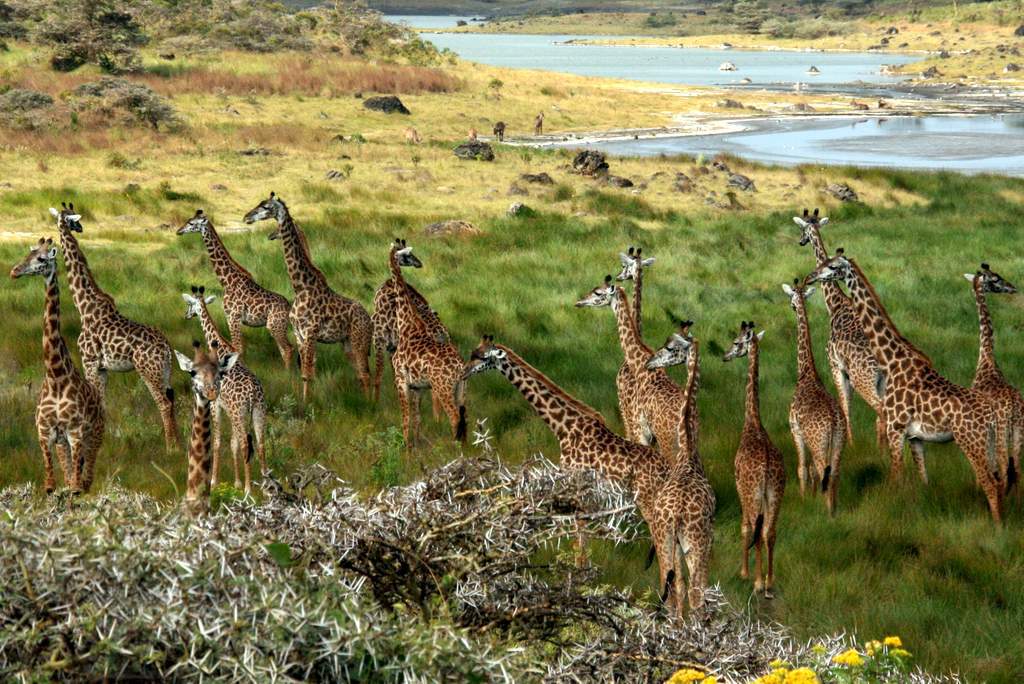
column 924, row 563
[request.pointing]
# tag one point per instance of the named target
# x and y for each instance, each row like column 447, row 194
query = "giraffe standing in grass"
column 632, row 269
column 654, row 400
column 319, row 314
column 850, row 357
column 815, row 419
column 69, row 414
column 920, row 404
column 422, row 362
column 988, row 378
column 760, row 474
column 586, row 442
column 385, row 316
column 109, row 341
column 246, row 302
column 687, row 491
column 206, row 371
column 241, row 397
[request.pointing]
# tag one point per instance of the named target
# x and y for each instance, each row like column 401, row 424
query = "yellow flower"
column 819, row 649
column 802, row 675
column 777, row 663
column 710, row 680
column 872, row 646
column 849, row 658
column 893, row 642
column 773, row 678
column 686, row 676
column 899, row 653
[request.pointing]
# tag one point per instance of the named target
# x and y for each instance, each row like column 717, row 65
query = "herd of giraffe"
column 658, row 459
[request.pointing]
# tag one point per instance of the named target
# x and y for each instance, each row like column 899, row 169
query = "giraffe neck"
column 407, row 318
column 86, row 294
column 887, row 343
column 556, row 408
column 223, row 263
column 689, row 415
column 633, row 347
column 752, row 416
column 638, row 291
column 210, row 332
column 55, row 351
column 198, row 486
column 804, row 344
column 835, row 299
column 301, row 270
column 986, row 348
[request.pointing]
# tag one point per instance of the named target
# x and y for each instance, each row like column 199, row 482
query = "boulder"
column 1011, row 67
column 931, row 72
column 541, row 178
column 1020, row 31
column 518, row 209
column 727, row 66
column 451, row 227
column 814, row 70
column 738, row 180
column 590, row 163
column 730, row 104
column 389, row 104
column 618, row 181
column 683, row 183
column 842, row 192
column 516, row 190
column 474, row 149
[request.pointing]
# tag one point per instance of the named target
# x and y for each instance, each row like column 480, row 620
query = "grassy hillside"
column 899, row 558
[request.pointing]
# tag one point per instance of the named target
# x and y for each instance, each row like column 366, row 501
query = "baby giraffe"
column 207, row 371
column 69, row 415
column 241, row 396
column 815, row 419
column 760, row 474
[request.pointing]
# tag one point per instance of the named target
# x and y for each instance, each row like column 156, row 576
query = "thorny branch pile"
column 463, row 576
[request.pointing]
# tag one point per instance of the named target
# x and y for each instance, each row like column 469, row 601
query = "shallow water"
column 693, row 66
column 973, row 144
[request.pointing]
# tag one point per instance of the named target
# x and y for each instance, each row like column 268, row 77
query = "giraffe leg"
column 92, row 366
column 259, row 420
column 46, row 447
column 836, row 451
column 844, row 388
column 277, row 325
column 402, row 392
column 307, row 355
column 215, row 437
column 801, row 453
column 94, row 442
column 76, row 463
column 895, row 436
column 63, row 460
column 157, row 381
column 237, row 445
column 758, row 564
column 235, row 330
column 582, row 561
column 666, row 583
column 698, row 561
column 358, row 349
column 993, row 493
column 917, row 451
column 416, row 399
column 881, row 434
column 682, row 575
column 379, row 348
column 746, row 530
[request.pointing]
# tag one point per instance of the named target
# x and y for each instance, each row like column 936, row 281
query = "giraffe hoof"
column 768, row 594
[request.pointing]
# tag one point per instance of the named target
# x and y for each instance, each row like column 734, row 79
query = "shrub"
column 660, row 20
column 100, row 32
column 26, row 109
column 10, row 23
column 110, row 95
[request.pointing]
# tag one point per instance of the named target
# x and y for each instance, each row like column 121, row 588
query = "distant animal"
column 472, row 135
column 861, row 106
column 538, row 124
column 412, row 136
column 499, row 130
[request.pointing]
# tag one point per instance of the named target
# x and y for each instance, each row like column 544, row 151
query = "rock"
column 541, row 178
column 683, row 183
column 461, row 22
column 719, row 164
column 167, row 55
column 903, row 45
column 884, row 41
column 255, row 152
column 474, row 149
column 730, row 104
column 1020, row 31
column 451, row 227
column 518, row 209
column 891, row 31
column 801, row 107
column 1011, row 67
column 516, row 189
column 931, row 72
column 618, row 181
column 814, row 70
column 738, row 180
column 727, row 66
column 389, row 104
column 944, row 54
column 842, row 192
column 590, row 163
column 219, row 187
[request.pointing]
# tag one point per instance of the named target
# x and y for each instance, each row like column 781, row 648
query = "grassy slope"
column 923, row 563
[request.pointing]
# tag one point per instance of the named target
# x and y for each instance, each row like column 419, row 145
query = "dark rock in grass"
column 461, row 22
column 541, row 178
column 255, row 152
column 944, row 54
column 730, row 104
column 389, row 104
column 618, row 181
column 842, row 192
column 1011, row 67
column 1020, row 31
column 683, row 183
column 475, row 149
column 738, row 180
column 931, row 72
column 891, row 31
column 517, row 209
column 719, row 164
column 517, row 190
column 169, row 56
column 590, row 163
column 450, row 227
column 219, row 187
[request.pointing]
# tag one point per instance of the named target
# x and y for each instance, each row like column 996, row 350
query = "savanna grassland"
column 899, row 558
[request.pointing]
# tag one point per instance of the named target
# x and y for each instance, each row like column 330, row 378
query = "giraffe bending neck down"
column 920, row 405
column 318, row 314
column 109, row 341
column 69, row 413
column 850, row 357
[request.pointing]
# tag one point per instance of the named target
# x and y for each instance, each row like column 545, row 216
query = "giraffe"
column 385, row 304
column 632, row 269
column 586, row 442
column 988, row 378
column 109, row 341
column 246, row 302
column 207, row 372
column 920, row 405
column 422, row 362
column 241, row 396
column 815, row 418
column 318, row 314
column 760, row 474
column 687, row 490
column 69, row 413
column 653, row 399
column 538, row 124
column 850, row 357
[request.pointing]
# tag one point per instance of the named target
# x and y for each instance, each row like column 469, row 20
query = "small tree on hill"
column 101, row 32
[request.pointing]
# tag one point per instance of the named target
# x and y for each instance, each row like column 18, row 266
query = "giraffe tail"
column 825, row 477
column 758, row 525
column 248, row 447
column 650, row 557
column 460, row 429
column 169, row 393
column 669, row 579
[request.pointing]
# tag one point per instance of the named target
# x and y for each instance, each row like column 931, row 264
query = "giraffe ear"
column 823, row 221
column 187, row 297
column 626, row 260
column 760, row 336
column 184, row 363
column 787, row 289
column 799, row 221
column 808, row 292
column 969, row 276
column 210, row 298
column 647, row 262
column 54, row 212
column 228, row 362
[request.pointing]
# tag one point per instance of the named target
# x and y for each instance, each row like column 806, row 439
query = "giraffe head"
column 743, row 342
column 809, row 224
column 602, row 295
column 206, row 371
column 676, row 349
column 41, row 260
column 404, row 256
column 797, row 292
column 271, row 208
column 991, row 282
column 486, row 356
column 67, row 219
column 632, row 263
column 195, row 301
column 836, row 268
column 199, row 223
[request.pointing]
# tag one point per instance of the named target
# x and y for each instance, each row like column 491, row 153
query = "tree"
column 101, row 32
